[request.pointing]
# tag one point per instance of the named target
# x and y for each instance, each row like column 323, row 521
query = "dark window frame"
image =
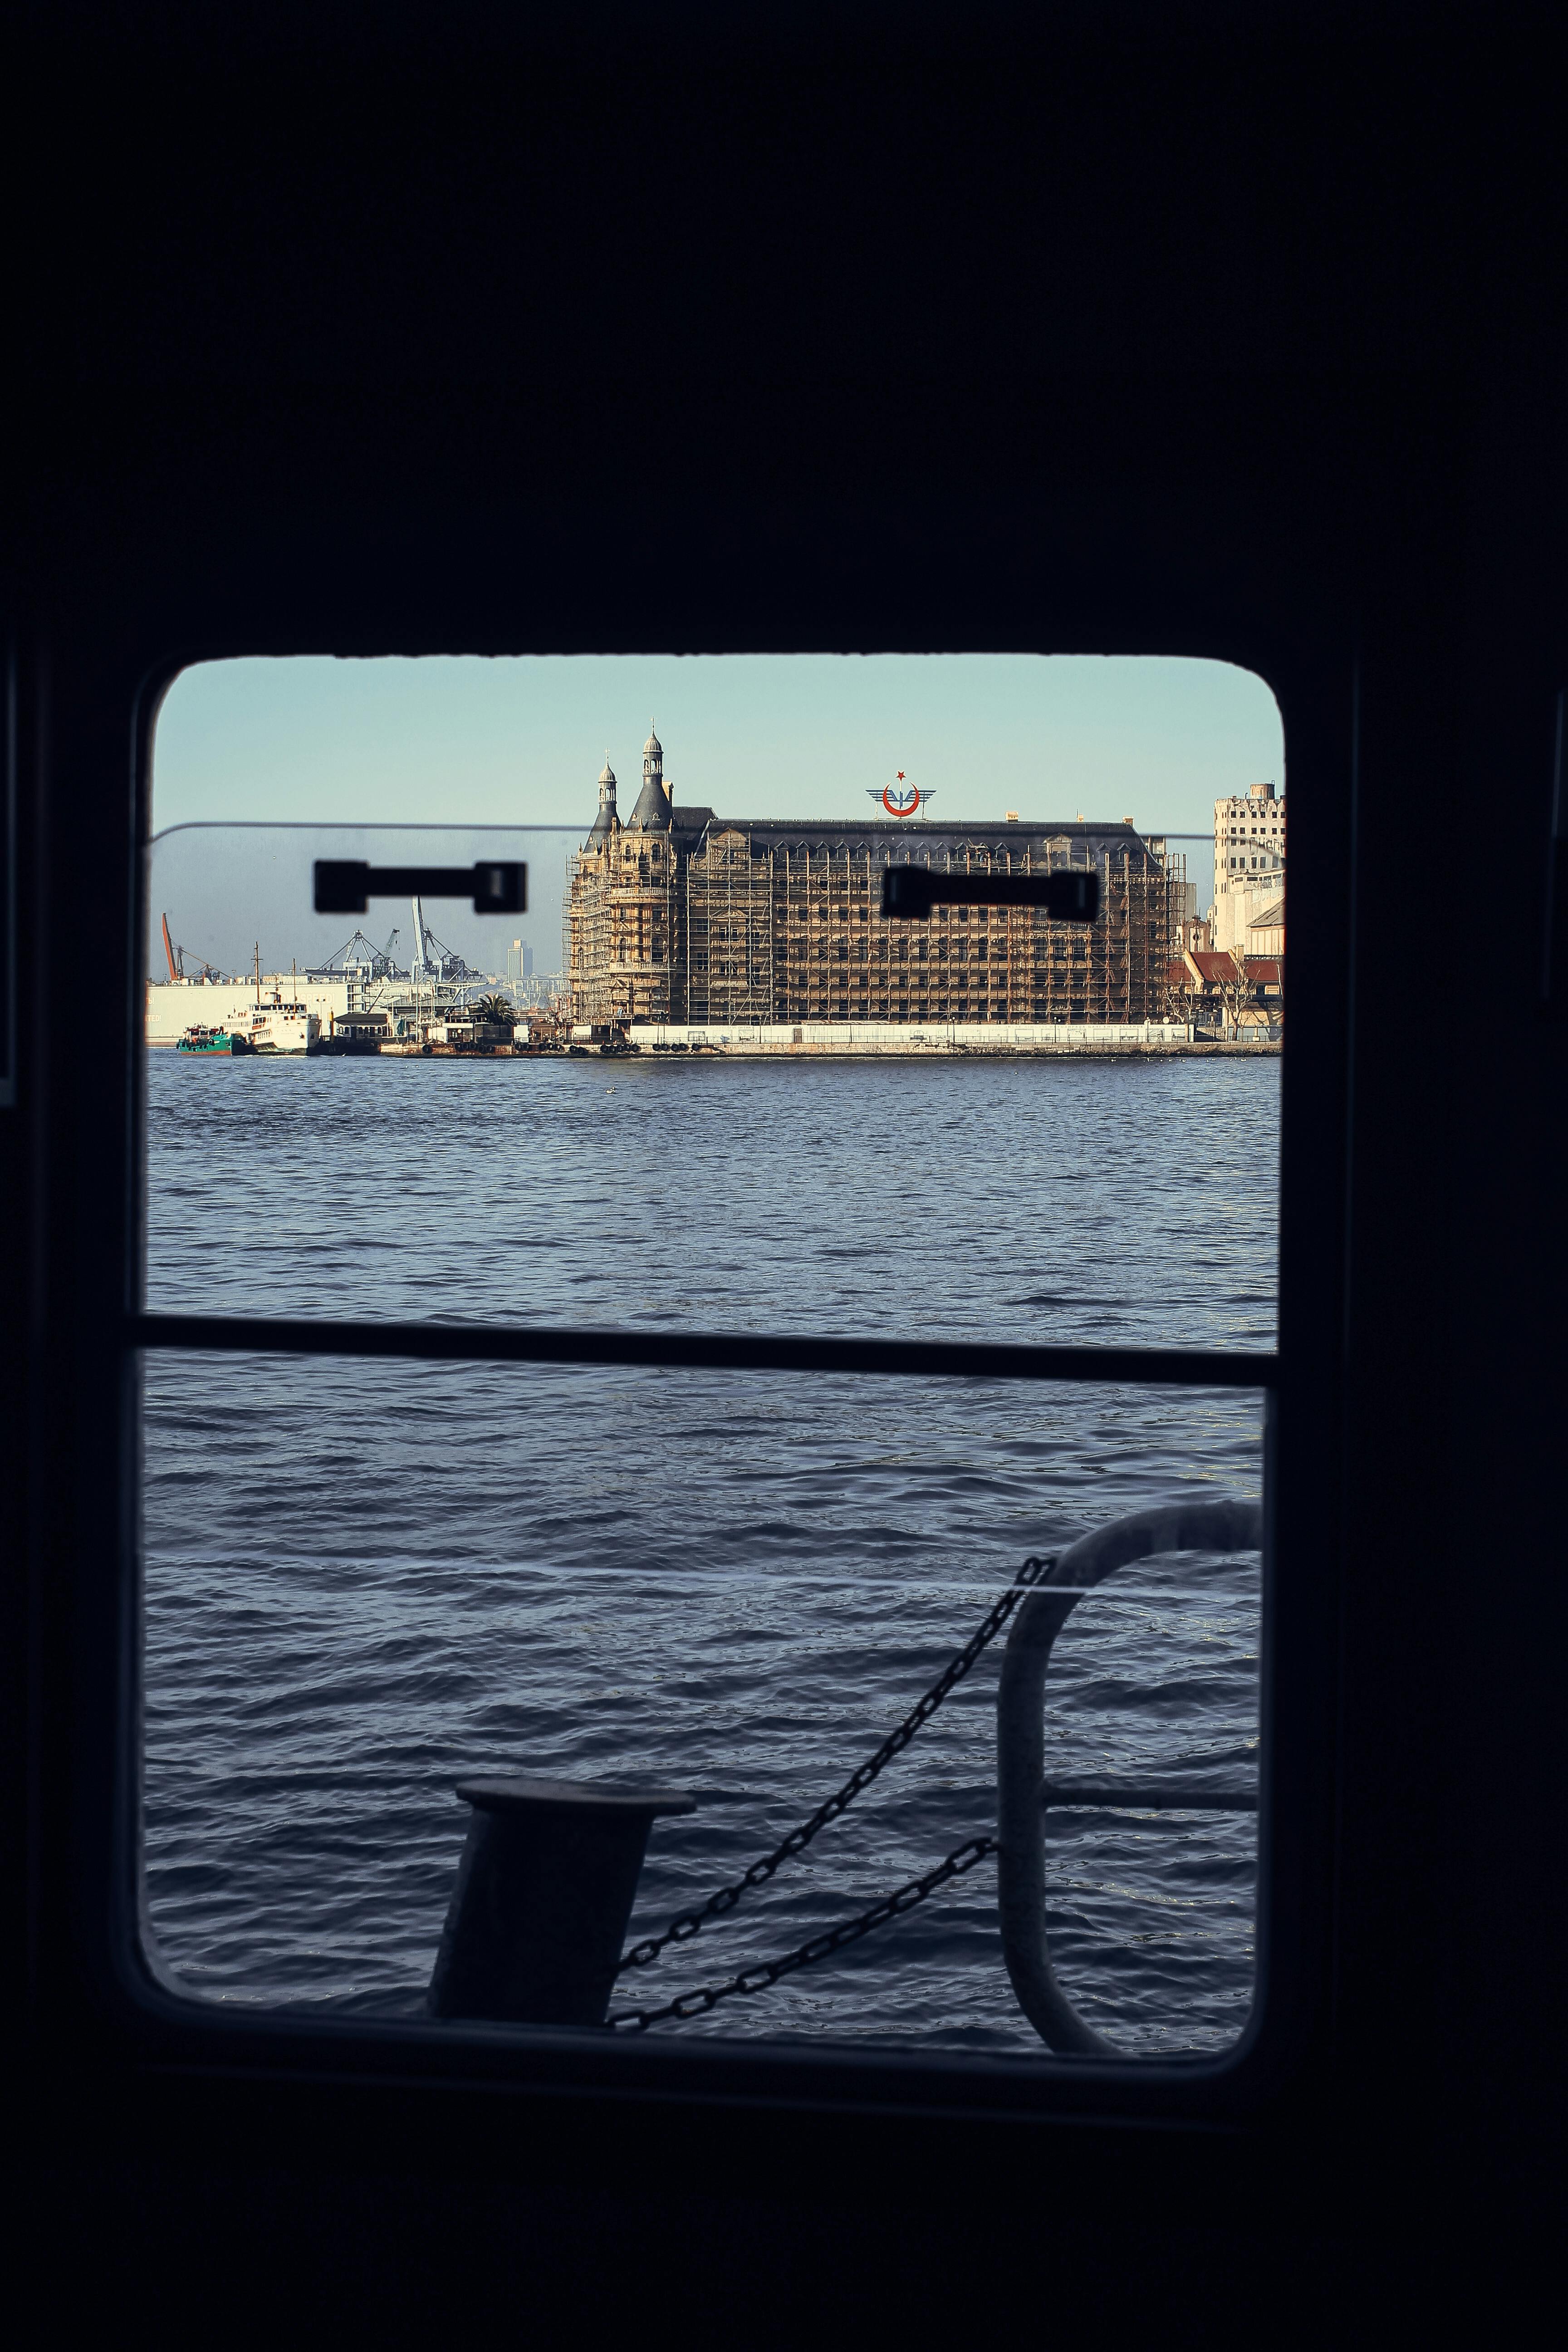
column 161, row 2021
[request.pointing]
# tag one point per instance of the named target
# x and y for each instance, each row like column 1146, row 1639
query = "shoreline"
column 892, row 1046
column 922, row 1041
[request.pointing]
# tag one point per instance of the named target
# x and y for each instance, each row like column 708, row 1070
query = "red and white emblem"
column 899, row 799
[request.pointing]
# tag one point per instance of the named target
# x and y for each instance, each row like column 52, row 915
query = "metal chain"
column 691, row 1923
column 697, row 2002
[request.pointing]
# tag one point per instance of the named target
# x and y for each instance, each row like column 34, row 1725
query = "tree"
column 1236, row 990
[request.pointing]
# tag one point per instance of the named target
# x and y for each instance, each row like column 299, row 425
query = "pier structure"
column 682, row 917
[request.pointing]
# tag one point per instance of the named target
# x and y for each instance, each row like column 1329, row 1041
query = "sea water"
column 365, row 1579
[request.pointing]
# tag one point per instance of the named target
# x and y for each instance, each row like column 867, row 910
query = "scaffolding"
column 763, row 930
column 729, row 930
column 839, row 958
column 622, row 948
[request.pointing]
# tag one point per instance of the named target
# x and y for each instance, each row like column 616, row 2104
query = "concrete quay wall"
column 863, row 1039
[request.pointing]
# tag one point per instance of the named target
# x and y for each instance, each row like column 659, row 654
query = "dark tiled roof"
column 652, row 812
column 913, row 836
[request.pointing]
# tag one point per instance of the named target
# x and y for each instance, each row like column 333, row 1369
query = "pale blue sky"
column 469, row 741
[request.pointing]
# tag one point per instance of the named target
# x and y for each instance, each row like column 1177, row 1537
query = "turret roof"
column 607, row 821
column 652, row 811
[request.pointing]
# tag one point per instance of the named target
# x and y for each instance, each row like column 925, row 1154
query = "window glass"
column 366, row 1581
column 702, row 1083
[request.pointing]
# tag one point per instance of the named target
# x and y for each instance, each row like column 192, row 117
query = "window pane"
column 428, row 1134
column 703, row 1083
column 364, row 1581
column 747, row 1095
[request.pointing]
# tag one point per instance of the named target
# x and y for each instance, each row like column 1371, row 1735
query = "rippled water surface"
column 363, row 1580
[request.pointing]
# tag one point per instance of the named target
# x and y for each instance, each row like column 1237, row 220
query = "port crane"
column 422, row 967
column 361, row 960
column 176, row 958
column 432, row 960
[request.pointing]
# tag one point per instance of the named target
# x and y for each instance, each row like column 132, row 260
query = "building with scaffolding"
column 680, row 916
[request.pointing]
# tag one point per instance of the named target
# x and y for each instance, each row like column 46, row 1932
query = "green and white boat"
column 198, row 1040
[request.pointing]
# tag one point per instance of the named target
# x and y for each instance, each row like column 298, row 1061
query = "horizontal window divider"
column 1150, row 1797
column 544, row 1343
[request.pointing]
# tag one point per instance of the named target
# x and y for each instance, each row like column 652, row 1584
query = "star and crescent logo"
column 898, row 798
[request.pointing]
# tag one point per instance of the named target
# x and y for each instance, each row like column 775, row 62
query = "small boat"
column 198, row 1040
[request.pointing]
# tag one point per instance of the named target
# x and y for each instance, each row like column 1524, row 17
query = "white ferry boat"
column 280, row 1028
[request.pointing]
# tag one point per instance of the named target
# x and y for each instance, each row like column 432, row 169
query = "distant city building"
column 539, row 990
column 1248, row 865
column 680, row 915
column 520, row 961
column 1266, row 932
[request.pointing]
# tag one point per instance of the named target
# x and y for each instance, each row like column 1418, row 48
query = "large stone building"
column 677, row 915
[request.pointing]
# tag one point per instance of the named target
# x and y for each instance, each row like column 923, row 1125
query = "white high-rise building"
column 1249, row 864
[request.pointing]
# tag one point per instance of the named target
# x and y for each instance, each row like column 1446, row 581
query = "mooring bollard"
column 545, row 1889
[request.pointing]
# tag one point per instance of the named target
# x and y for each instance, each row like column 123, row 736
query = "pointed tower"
column 606, row 823
column 651, row 813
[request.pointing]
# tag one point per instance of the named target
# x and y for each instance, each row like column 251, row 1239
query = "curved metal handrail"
column 1021, row 1787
